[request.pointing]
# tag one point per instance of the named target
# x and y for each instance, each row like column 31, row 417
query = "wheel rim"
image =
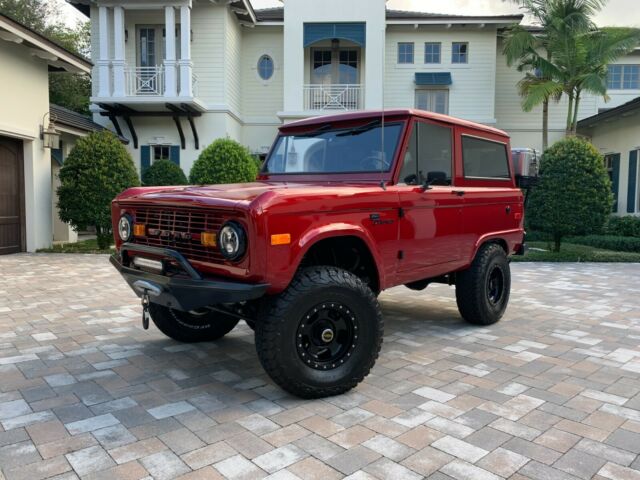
column 495, row 286
column 327, row 335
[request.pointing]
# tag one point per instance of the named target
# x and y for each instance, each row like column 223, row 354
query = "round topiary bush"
column 163, row 172
column 224, row 161
column 574, row 194
column 97, row 169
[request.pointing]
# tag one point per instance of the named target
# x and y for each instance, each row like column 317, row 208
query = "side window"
column 434, row 154
column 428, row 156
column 484, row 158
column 409, row 172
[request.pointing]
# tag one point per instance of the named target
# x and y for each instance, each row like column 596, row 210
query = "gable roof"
column 276, row 14
column 632, row 106
column 57, row 56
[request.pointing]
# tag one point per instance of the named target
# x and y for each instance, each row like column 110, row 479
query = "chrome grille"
column 180, row 229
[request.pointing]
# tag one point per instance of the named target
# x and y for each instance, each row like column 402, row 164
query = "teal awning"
column 316, row 32
column 433, row 78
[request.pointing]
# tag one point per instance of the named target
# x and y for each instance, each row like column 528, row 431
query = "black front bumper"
column 181, row 292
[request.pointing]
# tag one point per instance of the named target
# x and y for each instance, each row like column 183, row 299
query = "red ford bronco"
column 345, row 207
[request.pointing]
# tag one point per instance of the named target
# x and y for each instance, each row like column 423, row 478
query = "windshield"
column 341, row 150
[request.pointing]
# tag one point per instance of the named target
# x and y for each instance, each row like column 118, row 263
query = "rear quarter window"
column 484, row 158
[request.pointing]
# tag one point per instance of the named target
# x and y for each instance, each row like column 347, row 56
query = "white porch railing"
column 144, row 81
column 333, row 97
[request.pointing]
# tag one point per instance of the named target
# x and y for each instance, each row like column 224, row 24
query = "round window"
column 265, row 67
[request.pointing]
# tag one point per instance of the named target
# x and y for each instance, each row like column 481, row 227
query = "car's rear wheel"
column 322, row 335
column 197, row 326
column 482, row 291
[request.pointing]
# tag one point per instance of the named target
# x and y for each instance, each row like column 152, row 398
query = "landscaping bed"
column 572, row 252
column 85, row 246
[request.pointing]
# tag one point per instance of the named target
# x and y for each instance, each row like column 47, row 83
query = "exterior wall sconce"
column 50, row 136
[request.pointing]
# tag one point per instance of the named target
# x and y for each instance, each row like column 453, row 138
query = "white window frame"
column 159, row 146
column 431, row 92
column 413, row 53
column 467, row 54
column 439, row 44
column 623, row 74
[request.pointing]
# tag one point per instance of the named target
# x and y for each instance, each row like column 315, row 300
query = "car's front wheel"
column 322, row 335
column 482, row 291
column 197, row 326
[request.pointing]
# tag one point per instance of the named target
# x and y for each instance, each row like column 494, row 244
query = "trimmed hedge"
column 627, row 226
column 609, row 242
column 224, row 161
column 163, row 173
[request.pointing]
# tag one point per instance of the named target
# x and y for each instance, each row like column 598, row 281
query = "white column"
column 104, row 77
column 170, row 87
column 186, row 66
column 118, row 52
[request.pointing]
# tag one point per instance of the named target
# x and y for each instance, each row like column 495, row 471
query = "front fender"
column 314, row 235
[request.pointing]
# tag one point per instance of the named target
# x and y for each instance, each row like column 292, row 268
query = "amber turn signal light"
column 281, row 239
column 139, row 229
column 208, row 239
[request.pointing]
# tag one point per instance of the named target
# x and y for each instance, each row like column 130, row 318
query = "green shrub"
column 627, row 226
column 97, row 169
column 609, row 242
column 574, row 195
column 224, row 161
column 163, row 172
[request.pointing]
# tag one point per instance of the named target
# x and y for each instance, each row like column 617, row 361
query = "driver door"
column 431, row 227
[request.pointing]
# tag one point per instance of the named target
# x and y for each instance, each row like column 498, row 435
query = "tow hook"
column 145, row 312
column 146, row 289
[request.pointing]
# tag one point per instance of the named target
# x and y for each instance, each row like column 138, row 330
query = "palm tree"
column 559, row 23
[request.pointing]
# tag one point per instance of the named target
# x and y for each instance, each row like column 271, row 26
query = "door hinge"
column 401, row 212
column 400, row 254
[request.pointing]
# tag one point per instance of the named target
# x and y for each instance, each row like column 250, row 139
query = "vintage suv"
column 345, row 206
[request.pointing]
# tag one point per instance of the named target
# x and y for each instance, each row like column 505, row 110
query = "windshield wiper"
column 361, row 129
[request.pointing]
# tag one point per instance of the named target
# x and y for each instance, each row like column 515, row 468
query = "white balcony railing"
column 333, row 97
column 144, row 81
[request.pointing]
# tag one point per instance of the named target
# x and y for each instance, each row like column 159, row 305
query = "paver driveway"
column 553, row 391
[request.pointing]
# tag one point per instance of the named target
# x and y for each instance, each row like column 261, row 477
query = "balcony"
column 150, row 82
column 333, row 97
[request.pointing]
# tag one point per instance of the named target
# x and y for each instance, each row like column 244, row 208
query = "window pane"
column 460, row 52
column 336, row 151
column 405, row 52
column 265, row 67
column 631, row 77
column 614, row 77
column 432, row 53
column 434, row 153
column 484, row 158
column 433, row 100
column 409, row 172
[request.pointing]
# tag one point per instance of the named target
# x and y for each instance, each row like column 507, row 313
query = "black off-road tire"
column 189, row 327
column 479, row 301
column 277, row 332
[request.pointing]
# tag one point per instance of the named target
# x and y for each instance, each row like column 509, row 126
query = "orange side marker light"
column 281, row 239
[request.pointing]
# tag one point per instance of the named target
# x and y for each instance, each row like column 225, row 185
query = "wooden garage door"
column 11, row 197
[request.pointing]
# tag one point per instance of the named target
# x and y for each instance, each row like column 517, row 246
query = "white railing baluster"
column 333, row 97
column 144, row 81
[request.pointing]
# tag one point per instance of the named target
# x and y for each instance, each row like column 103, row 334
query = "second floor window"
column 405, row 52
column 265, row 67
column 623, row 77
column 460, row 52
column 432, row 52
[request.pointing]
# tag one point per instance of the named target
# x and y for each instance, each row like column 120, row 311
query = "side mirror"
column 435, row 178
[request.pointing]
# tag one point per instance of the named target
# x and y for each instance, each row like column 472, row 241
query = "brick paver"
column 552, row 391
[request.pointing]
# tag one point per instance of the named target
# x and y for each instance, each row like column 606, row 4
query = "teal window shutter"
column 633, row 178
column 174, row 155
column 145, row 157
column 615, row 179
column 316, row 32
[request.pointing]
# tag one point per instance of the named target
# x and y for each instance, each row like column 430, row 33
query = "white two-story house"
column 174, row 75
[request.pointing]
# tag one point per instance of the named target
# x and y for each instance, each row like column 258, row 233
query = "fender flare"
column 499, row 237
column 335, row 230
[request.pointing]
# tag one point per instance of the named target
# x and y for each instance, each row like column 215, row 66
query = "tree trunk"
column 557, row 240
column 574, row 124
column 545, row 125
column 569, row 115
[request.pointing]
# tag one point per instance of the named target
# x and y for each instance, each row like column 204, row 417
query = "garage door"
column 11, row 197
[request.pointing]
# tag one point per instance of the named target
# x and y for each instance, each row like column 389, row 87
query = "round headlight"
column 232, row 240
column 125, row 227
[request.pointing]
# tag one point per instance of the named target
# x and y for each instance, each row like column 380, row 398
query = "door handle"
column 459, row 193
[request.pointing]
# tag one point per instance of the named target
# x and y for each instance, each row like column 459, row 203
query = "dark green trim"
column 174, row 154
column 145, row 157
column 633, row 178
column 615, row 180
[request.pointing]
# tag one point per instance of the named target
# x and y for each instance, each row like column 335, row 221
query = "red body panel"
column 414, row 233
